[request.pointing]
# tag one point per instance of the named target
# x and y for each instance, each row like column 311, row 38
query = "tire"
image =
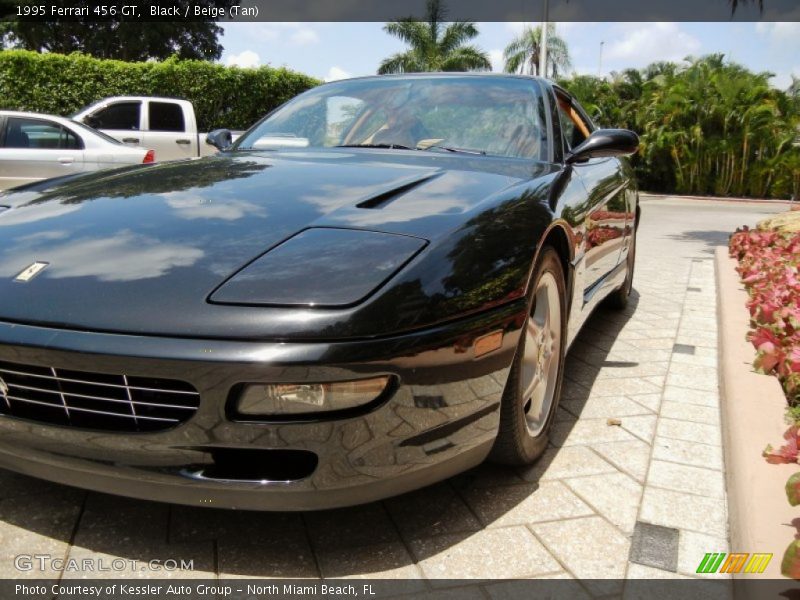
column 618, row 299
column 527, row 407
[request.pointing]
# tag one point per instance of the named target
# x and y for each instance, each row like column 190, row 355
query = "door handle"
column 66, row 160
column 182, row 142
column 130, row 140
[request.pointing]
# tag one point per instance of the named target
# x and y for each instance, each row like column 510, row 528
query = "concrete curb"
column 648, row 195
column 753, row 410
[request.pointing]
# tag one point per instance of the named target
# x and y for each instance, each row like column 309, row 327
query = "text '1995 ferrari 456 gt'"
column 372, row 290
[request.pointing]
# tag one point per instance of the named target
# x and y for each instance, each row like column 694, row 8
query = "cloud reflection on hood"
column 123, row 257
column 36, row 212
column 190, row 205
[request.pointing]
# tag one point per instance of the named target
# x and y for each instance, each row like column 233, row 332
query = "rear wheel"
column 618, row 299
column 534, row 383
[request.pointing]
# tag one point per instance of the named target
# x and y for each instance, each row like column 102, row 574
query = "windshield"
column 477, row 115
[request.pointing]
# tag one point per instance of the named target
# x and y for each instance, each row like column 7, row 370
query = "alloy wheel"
column 540, row 362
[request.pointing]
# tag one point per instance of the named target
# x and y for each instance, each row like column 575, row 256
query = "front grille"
column 94, row 400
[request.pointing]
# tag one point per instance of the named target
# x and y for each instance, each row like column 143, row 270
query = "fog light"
column 298, row 398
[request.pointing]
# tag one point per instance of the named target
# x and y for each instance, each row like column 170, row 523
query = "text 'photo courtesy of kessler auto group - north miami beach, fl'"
column 423, row 299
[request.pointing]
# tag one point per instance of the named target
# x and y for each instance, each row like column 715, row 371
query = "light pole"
column 543, row 44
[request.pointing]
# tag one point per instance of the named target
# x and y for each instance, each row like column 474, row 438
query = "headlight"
column 265, row 400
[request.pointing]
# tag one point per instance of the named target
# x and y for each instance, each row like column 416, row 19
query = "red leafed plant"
column 768, row 265
column 786, row 453
column 769, row 261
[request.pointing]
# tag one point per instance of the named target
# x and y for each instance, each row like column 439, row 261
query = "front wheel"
column 534, row 382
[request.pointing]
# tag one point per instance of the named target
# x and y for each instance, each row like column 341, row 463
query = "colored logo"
column 741, row 562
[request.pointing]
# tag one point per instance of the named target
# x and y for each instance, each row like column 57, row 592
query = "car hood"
column 140, row 250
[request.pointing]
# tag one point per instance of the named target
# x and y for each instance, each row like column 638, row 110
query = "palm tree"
column 435, row 45
column 522, row 54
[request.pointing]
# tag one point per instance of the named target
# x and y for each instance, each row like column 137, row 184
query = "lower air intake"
column 94, row 400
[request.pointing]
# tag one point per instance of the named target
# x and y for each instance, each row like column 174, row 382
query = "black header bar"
column 387, row 10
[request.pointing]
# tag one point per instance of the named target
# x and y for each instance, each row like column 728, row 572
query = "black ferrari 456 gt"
column 371, row 290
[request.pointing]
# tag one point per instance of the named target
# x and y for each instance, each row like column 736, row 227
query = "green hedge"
column 222, row 96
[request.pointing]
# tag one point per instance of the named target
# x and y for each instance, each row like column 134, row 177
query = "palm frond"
column 457, row 34
column 402, row 62
column 467, row 58
column 411, row 32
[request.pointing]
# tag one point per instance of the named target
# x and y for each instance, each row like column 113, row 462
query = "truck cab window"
column 122, row 115
column 166, row 116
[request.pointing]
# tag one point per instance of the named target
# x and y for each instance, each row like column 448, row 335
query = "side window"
column 37, row 133
column 121, row 115
column 70, row 141
column 166, row 116
column 573, row 127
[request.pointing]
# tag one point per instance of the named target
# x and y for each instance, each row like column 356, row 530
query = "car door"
column 35, row 148
column 121, row 120
column 602, row 217
column 166, row 131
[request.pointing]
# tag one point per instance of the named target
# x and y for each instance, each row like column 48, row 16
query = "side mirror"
column 605, row 142
column 221, row 139
column 91, row 121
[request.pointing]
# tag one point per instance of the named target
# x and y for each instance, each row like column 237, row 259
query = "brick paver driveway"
column 641, row 498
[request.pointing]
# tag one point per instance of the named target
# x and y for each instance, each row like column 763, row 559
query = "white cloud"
column 779, row 32
column 303, row 36
column 517, row 27
column 564, row 28
column 247, row 59
column 643, row 43
column 496, row 57
column 297, row 34
column 336, row 73
column 783, row 79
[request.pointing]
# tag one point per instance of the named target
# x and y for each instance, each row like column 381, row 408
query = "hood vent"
column 386, row 197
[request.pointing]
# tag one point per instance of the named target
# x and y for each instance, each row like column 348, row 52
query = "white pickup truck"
column 166, row 125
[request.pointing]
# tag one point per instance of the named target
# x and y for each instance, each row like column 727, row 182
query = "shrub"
column 60, row 84
column 769, row 261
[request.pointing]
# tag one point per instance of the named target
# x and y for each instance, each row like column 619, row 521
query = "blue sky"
column 339, row 50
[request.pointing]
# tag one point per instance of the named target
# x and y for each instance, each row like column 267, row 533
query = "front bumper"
column 441, row 419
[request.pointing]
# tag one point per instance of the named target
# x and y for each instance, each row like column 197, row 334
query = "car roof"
column 22, row 113
column 141, row 98
column 449, row 74
column 445, row 74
